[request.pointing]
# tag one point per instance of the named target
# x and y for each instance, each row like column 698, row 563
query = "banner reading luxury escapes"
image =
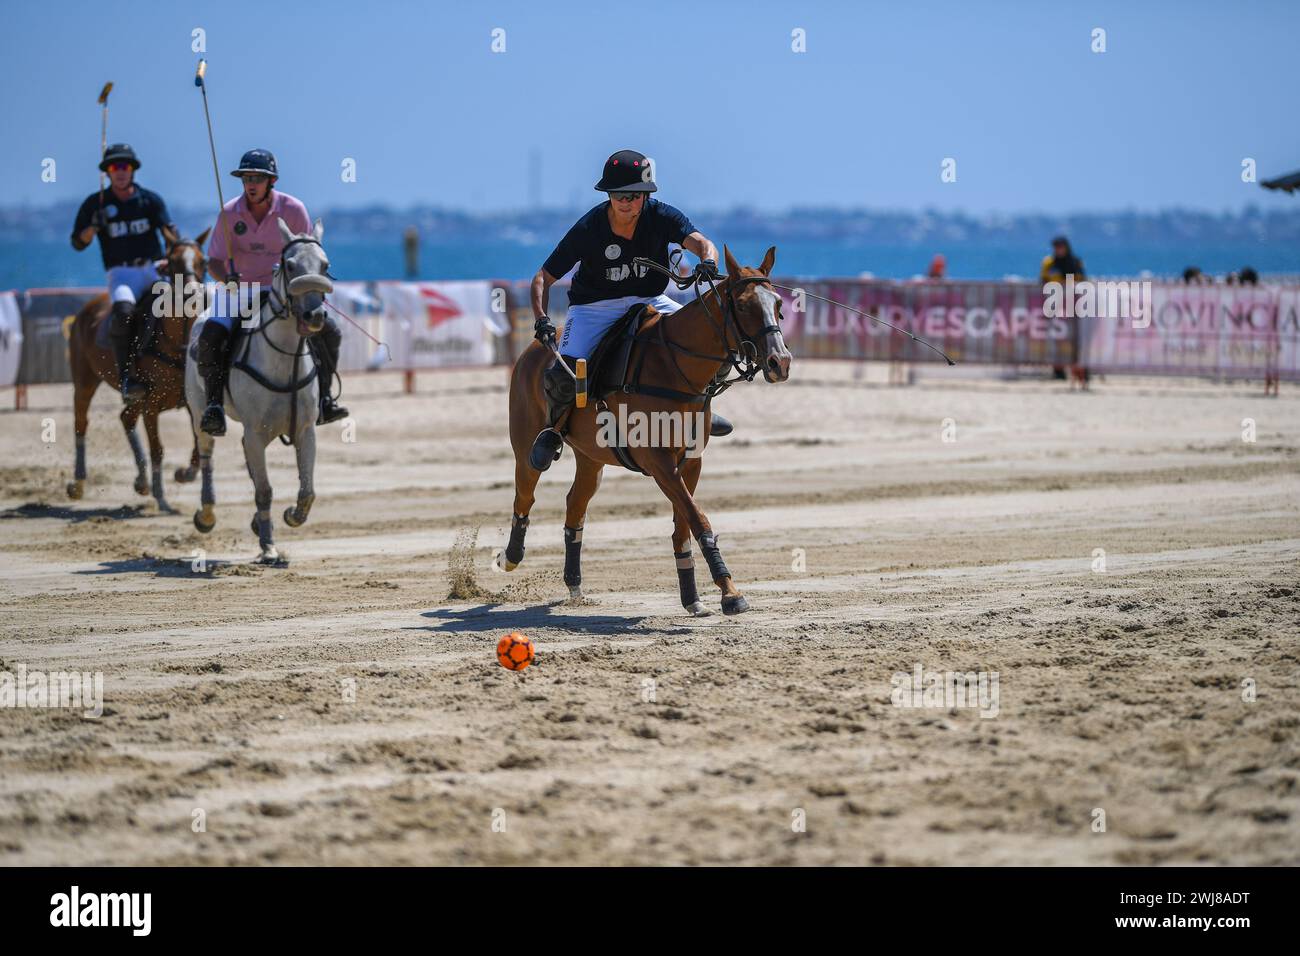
column 997, row 322
column 1218, row 331
column 1221, row 331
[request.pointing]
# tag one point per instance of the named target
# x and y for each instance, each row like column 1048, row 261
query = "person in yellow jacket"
column 1061, row 263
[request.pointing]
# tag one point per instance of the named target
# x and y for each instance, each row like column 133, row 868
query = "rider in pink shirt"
column 252, row 222
column 257, row 244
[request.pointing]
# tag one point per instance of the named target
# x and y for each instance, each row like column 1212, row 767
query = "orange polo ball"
column 515, row 652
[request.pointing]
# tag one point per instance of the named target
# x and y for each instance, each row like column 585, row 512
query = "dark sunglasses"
column 624, row 197
column 118, row 167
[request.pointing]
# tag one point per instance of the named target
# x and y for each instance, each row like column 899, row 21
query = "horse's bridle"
column 283, row 311
column 178, row 360
column 744, row 357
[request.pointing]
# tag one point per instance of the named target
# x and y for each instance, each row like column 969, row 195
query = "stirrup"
column 547, row 448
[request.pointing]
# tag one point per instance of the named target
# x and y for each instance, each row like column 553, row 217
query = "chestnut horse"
column 682, row 357
column 160, row 365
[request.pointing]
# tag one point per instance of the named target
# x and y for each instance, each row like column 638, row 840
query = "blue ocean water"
column 53, row 263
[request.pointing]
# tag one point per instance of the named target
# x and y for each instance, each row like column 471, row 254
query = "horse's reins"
column 743, row 357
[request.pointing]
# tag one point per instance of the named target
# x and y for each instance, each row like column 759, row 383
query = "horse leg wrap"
column 157, row 484
column 136, row 449
column 686, row 578
column 572, row 556
column 208, row 494
column 713, row 557
column 79, row 469
column 518, row 528
column 263, row 518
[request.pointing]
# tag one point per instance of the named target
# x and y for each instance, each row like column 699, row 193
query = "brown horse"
column 160, row 364
column 682, row 357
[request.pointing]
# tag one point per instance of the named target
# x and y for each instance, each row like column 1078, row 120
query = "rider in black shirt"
column 127, row 219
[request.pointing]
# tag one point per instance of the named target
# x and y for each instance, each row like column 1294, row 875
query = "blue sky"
column 885, row 92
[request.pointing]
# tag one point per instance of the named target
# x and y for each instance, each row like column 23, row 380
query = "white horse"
column 273, row 387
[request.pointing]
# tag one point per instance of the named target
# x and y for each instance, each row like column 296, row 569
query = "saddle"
column 143, row 320
column 237, row 334
column 615, row 366
column 612, row 367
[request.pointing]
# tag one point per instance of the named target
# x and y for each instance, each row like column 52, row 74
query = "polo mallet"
column 579, row 377
column 103, row 137
column 203, row 88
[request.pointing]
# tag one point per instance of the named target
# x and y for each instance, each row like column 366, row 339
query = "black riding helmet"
column 117, row 153
column 260, row 161
column 627, row 171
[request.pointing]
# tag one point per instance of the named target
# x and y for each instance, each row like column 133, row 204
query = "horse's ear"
column 769, row 260
column 733, row 267
column 203, row 237
column 284, row 229
column 318, row 230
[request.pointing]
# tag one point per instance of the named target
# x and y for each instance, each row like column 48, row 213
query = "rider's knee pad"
column 120, row 321
column 212, row 346
column 330, row 335
column 559, row 385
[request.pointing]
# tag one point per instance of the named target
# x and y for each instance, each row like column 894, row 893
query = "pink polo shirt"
column 257, row 245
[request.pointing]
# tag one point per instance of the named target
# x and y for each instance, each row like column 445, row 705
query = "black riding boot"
column 720, row 426
column 212, row 367
column 327, row 358
column 560, row 393
column 122, row 334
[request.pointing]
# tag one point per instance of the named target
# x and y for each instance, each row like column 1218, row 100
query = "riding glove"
column 543, row 330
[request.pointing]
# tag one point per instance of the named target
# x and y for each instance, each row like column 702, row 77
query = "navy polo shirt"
column 604, row 260
column 130, row 230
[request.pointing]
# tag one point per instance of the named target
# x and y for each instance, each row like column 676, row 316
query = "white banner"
column 425, row 324
column 11, row 338
column 437, row 324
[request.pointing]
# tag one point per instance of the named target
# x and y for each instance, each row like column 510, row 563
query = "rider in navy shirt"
column 127, row 219
column 603, row 244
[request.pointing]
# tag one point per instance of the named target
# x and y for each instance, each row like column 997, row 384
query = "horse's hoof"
column 204, row 524
column 76, row 489
column 502, row 563
column 184, row 475
column 269, row 556
column 697, row 610
column 141, row 485
column 291, row 518
column 575, row 593
column 734, row 604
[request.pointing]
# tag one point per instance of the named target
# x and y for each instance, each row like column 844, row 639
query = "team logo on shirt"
column 241, row 227
column 110, row 211
column 613, row 251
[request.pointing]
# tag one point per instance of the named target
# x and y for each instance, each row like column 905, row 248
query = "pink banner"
column 1229, row 331
column 998, row 322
